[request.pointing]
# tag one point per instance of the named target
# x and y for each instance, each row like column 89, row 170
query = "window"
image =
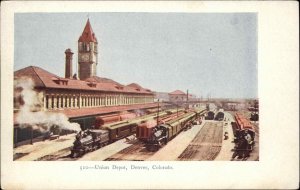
column 47, row 102
column 85, row 47
column 80, row 46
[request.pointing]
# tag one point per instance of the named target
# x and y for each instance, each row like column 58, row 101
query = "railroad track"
column 61, row 155
column 135, row 152
column 207, row 143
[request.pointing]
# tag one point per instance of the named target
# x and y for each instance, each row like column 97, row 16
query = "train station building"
column 83, row 95
column 87, row 90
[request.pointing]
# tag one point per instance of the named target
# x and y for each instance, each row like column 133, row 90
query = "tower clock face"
column 85, row 57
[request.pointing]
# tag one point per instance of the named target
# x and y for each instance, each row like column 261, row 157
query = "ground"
column 201, row 142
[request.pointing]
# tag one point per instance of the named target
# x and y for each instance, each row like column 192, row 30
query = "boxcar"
column 126, row 128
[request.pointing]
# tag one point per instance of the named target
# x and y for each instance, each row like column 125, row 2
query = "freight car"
column 144, row 130
column 163, row 133
column 89, row 140
column 244, row 137
column 106, row 119
column 123, row 129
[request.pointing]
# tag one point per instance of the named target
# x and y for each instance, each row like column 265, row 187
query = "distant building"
column 161, row 96
column 193, row 97
column 177, row 96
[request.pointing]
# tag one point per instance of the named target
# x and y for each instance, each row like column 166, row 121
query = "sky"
column 211, row 54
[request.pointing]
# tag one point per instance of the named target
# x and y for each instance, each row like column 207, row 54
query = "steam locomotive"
column 219, row 116
column 89, row 140
column 254, row 117
column 92, row 139
column 210, row 115
column 244, row 137
column 163, row 133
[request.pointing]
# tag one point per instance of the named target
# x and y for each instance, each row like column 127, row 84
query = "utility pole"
column 31, row 140
column 157, row 111
column 187, row 95
column 187, row 98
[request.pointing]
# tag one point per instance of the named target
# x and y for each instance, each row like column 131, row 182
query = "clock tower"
column 87, row 53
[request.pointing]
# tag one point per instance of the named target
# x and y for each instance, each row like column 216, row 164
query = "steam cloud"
column 39, row 119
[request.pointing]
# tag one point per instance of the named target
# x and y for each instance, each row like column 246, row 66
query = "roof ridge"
column 177, row 91
column 33, row 68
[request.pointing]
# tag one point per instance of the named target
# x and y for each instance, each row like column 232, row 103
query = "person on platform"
column 226, row 135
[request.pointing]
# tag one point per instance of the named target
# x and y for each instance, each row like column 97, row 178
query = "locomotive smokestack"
column 69, row 57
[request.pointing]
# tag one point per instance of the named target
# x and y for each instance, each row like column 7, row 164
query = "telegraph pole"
column 31, row 131
column 187, row 98
column 157, row 111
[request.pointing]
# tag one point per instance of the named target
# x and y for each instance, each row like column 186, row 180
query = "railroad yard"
column 207, row 143
column 83, row 116
column 162, row 95
column 204, row 141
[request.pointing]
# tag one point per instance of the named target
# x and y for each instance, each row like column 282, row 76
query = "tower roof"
column 88, row 35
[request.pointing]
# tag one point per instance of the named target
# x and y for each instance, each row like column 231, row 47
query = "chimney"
column 187, row 95
column 69, row 57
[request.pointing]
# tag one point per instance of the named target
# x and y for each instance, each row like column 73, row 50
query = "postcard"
column 111, row 94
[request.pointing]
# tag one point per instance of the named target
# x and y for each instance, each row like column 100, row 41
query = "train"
column 89, row 140
column 162, row 133
column 219, row 116
column 254, row 117
column 144, row 130
column 210, row 115
column 244, row 136
column 106, row 119
column 106, row 132
column 253, row 109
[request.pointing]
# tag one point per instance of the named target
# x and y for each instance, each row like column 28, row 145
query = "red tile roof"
column 177, row 92
column 45, row 79
column 87, row 35
column 134, row 85
column 82, row 112
column 102, row 80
